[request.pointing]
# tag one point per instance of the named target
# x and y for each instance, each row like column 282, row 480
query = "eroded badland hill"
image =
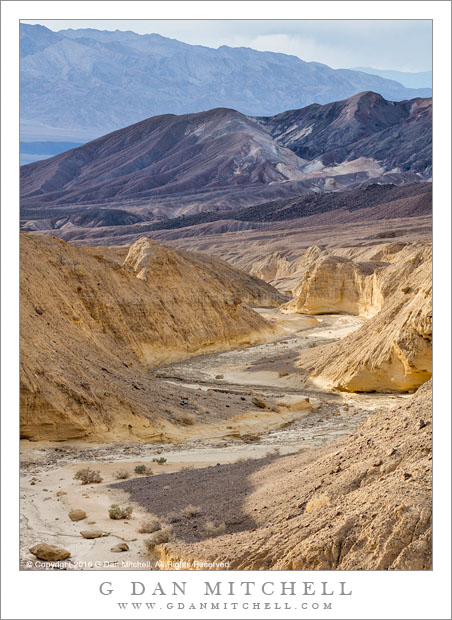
column 140, row 178
column 392, row 351
column 94, row 321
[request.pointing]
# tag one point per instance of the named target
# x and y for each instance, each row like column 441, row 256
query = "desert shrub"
column 188, row 419
column 210, row 530
column 143, row 469
column 88, row 476
column 150, row 526
column 159, row 461
column 116, row 512
column 187, row 468
column 191, row 511
column 158, row 538
column 271, row 454
column 250, row 438
column 121, row 474
column 173, row 517
column 317, row 502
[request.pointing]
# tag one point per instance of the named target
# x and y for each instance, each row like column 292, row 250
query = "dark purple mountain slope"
column 168, row 166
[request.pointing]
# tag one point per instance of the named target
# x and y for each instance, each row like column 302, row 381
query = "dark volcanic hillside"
column 162, row 156
column 371, row 203
column 169, row 166
column 398, row 133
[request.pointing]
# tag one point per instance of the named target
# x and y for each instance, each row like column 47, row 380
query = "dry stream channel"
column 265, row 371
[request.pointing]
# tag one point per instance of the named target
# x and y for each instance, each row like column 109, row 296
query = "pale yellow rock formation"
column 90, row 329
column 284, row 271
column 335, row 285
column 393, row 350
column 271, row 267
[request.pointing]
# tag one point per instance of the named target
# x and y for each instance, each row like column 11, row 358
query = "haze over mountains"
column 415, row 79
column 168, row 166
column 79, row 84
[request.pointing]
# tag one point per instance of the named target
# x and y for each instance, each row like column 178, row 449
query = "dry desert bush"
column 158, row 538
column 191, row 511
column 250, row 438
column 121, row 474
column 210, row 530
column 186, row 418
column 143, row 469
column 174, row 517
column 88, row 476
column 151, row 525
column 116, row 512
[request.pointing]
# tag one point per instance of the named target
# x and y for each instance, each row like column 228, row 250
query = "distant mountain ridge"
column 79, row 84
column 418, row 79
column 171, row 166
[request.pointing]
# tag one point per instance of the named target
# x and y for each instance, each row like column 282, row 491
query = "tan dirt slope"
column 278, row 253
column 92, row 324
column 363, row 503
column 392, row 351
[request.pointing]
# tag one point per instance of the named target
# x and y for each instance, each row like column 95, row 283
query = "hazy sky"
column 404, row 45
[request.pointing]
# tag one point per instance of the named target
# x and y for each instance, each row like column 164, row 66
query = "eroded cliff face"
column 284, row 270
column 393, row 350
column 92, row 324
column 363, row 503
column 335, row 284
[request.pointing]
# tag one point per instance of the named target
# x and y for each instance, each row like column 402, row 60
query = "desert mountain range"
column 79, row 84
column 410, row 79
column 220, row 160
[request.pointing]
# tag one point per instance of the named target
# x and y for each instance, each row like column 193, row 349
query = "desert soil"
column 248, row 441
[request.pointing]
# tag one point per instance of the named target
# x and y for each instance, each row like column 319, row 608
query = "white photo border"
column 396, row 594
